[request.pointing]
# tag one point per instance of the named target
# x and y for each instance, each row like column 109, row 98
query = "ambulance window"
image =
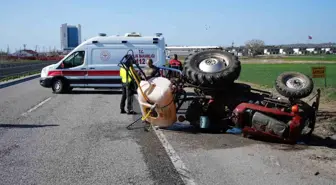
column 79, row 58
column 74, row 60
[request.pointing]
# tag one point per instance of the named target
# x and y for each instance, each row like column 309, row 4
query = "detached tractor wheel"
column 212, row 68
column 58, row 86
column 294, row 85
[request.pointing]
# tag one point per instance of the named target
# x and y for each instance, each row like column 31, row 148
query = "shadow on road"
column 180, row 127
column 137, row 123
column 25, row 125
column 94, row 92
column 319, row 141
column 207, row 139
column 300, row 145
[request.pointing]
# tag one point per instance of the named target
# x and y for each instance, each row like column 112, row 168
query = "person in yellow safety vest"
column 127, row 92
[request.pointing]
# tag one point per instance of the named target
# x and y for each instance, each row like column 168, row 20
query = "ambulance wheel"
column 58, row 86
column 212, row 68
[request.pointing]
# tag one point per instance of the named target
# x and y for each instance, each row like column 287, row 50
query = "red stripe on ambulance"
column 84, row 73
column 74, row 73
column 55, row 73
column 103, row 73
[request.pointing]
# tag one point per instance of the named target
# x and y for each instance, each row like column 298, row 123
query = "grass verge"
column 19, row 61
column 312, row 58
column 308, row 58
column 265, row 75
column 19, row 76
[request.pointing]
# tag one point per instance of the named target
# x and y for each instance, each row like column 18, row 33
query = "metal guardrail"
column 16, row 70
column 17, row 64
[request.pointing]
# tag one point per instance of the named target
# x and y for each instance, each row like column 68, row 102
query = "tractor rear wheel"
column 212, row 68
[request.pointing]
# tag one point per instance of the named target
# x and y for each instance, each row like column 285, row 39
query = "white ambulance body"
column 94, row 63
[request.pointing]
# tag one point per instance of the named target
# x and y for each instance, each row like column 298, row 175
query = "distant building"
column 70, row 36
column 301, row 49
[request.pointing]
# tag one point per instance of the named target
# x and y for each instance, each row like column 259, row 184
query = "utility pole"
column 24, row 46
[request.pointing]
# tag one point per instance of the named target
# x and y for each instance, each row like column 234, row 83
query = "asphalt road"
column 81, row 138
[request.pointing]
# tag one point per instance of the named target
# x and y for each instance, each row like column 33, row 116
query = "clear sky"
column 183, row 22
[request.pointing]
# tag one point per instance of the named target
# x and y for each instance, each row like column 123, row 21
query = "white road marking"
column 36, row 106
column 176, row 160
column 180, row 167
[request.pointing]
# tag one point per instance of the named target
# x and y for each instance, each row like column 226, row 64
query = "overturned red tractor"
column 219, row 103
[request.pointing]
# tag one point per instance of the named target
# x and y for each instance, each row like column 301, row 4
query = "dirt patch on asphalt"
column 326, row 120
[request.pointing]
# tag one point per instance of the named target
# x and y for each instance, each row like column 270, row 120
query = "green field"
column 265, row 74
column 311, row 58
column 295, row 58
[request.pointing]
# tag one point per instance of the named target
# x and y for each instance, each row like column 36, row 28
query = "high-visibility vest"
column 124, row 75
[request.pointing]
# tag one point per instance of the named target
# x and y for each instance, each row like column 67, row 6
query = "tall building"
column 70, row 36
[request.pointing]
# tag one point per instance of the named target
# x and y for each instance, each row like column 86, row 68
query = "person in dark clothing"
column 176, row 64
column 151, row 70
column 127, row 92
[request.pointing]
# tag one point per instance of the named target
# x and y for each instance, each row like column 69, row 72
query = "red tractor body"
column 291, row 120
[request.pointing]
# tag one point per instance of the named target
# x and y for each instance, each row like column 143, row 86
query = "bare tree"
column 255, row 46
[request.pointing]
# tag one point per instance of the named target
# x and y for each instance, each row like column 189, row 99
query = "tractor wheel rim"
column 212, row 65
column 296, row 83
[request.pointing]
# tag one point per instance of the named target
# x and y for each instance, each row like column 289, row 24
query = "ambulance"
column 94, row 63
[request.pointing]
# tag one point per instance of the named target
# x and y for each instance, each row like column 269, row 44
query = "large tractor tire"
column 212, row 68
column 294, row 85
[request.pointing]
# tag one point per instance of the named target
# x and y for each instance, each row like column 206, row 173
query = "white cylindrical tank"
column 158, row 91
